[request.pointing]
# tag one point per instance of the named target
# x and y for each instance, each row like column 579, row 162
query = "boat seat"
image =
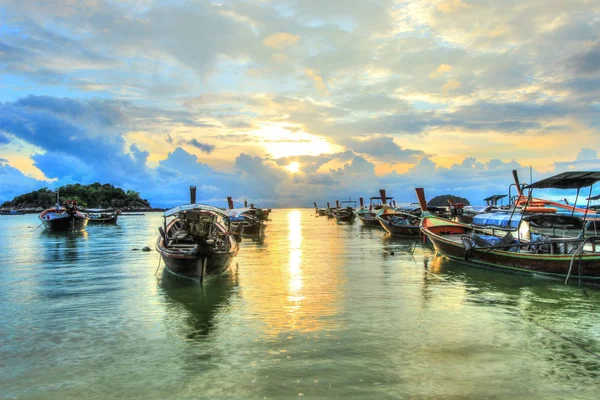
column 178, row 236
column 182, row 245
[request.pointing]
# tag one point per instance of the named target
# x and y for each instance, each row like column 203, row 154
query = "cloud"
column 452, row 6
column 441, row 70
column 280, row 40
column 383, row 148
column 452, row 84
column 587, row 154
column 318, row 81
column 117, row 88
column 14, row 183
column 206, row 148
column 587, row 62
column 3, row 139
column 586, row 159
column 80, row 140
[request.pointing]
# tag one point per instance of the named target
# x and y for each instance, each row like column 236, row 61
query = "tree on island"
column 442, row 200
column 95, row 195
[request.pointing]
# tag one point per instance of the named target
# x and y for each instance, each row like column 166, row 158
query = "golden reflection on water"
column 295, row 256
column 296, row 289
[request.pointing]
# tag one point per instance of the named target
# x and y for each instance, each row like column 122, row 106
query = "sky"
column 287, row 102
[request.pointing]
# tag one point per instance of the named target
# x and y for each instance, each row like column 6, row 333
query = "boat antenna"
column 586, row 210
column 577, row 197
column 520, row 191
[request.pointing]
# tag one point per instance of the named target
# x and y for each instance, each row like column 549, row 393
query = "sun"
column 294, row 167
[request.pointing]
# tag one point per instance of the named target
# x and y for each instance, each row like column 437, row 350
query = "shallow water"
column 313, row 309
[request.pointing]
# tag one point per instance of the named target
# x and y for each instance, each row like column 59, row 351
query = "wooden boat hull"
column 107, row 221
column 400, row 230
column 586, row 266
column 68, row 223
column 344, row 215
column 256, row 228
column 192, row 265
column 344, row 218
column 368, row 219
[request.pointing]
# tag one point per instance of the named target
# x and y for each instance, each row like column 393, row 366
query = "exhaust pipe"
column 230, row 203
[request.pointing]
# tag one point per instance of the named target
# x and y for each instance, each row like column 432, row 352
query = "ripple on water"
column 311, row 309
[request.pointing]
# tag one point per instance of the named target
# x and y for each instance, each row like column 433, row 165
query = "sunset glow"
column 293, row 167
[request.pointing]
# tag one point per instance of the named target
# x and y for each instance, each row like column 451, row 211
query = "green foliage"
column 442, row 201
column 94, row 195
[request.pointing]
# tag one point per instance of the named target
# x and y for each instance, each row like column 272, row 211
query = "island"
column 96, row 195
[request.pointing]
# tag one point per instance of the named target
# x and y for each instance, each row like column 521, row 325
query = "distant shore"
column 37, row 210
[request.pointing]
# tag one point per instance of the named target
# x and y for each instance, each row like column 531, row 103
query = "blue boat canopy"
column 499, row 219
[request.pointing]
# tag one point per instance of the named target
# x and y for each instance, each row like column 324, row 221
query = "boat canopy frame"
column 566, row 180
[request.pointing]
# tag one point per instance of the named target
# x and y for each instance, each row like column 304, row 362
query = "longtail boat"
column 368, row 216
column 402, row 221
column 521, row 250
column 102, row 216
column 320, row 212
column 196, row 241
column 330, row 209
column 247, row 220
column 345, row 211
column 63, row 218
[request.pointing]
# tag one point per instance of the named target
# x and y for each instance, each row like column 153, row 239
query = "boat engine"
column 199, row 224
column 71, row 207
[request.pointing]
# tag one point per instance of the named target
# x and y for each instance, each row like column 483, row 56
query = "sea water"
column 312, row 309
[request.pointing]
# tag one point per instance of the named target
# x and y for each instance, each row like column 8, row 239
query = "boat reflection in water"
column 201, row 303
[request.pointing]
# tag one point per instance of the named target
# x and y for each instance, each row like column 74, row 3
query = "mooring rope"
column 158, row 266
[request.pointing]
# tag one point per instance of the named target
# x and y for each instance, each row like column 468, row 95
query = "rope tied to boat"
column 38, row 227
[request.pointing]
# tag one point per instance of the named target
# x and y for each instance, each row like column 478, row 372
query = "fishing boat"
column 401, row 221
column 547, row 217
column 196, row 240
column 492, row 202
column 260, row 213
column 102, row 216
column 248, row 220
column 331, row 209
column 63, row 218
column 320, row 212
column 521, row 250
column 368, row 216
column 345, row 211
column 461, row 213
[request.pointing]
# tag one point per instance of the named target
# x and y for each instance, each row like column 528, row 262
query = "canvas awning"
column 567, row 180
